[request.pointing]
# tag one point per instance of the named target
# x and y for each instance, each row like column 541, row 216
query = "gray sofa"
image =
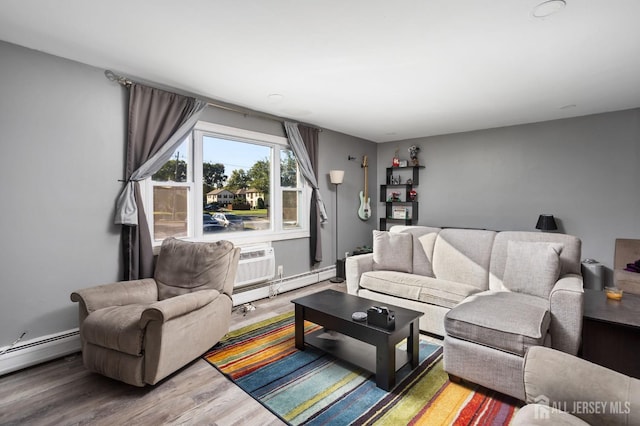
column 564, row 390
column 491, row 294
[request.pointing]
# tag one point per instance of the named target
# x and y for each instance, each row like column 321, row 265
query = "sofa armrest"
column 591, row 392
column 116, row 294
column 354, row 267
column 566, row 303
column 177, row 306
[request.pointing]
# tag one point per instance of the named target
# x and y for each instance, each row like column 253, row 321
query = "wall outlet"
column 280, row 271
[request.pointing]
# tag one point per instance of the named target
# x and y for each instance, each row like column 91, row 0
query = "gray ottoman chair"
column 535, row 299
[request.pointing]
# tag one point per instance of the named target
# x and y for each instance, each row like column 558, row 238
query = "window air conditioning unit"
column 257, row 264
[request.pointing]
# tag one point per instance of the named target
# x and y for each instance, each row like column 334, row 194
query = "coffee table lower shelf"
column 368, row 346
column 353, row 351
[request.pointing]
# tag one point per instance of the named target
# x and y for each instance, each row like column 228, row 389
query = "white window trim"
column 195, row 216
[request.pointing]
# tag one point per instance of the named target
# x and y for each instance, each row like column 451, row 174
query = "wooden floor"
column 62, row 392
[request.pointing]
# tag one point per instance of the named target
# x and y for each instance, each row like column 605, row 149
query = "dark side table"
column 611, row 331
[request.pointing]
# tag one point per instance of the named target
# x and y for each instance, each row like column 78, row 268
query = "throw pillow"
column 392, row 251
column 532, row 267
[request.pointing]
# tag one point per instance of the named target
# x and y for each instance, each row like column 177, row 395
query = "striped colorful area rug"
column 311, row 387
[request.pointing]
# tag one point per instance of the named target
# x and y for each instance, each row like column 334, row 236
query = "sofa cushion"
column 569, row 258
column 417, row 287
column 424, row 238
column 115, row 327
column 392, row 251
column 532, row 267
column 462, row 255
column 511, row 322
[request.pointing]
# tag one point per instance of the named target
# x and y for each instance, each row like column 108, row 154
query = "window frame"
column 276, row 231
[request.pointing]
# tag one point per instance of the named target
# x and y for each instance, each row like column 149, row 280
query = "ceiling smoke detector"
column 274, row 98
column 548, row 8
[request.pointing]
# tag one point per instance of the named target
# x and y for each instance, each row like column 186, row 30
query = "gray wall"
column 585, row 171
column 352, row 231
column 62, row 132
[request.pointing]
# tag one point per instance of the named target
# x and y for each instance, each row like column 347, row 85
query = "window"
column 228, row 183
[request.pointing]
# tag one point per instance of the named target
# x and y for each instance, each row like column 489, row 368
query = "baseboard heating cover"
column 261, row 291
column 38, row 350
column 257, row 264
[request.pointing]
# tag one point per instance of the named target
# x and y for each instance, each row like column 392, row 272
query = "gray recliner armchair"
column 141, row 331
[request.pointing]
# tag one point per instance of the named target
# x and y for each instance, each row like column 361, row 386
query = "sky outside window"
column 234, row 155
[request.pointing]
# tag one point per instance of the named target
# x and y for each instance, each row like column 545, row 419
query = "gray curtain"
column 158, row 122
column 304, row 144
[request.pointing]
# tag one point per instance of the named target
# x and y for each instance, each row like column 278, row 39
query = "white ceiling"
column 380, row 70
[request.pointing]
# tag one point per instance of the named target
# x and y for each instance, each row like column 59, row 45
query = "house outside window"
column 220, row 196
column 228, row 183
column 252, row 196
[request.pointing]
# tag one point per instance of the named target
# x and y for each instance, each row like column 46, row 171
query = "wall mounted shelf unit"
column 399, row 208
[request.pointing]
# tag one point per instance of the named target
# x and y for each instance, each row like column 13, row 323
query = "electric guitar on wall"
column 364, row 212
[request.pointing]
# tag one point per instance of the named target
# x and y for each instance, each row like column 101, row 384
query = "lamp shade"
column 336, row 176
column 546, row 222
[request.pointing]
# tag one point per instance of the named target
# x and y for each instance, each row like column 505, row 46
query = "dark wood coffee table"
column 367, row 346
column 611, row 331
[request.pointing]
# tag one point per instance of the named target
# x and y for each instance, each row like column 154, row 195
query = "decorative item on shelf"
column 395, row 196
column 395, row 180
column 409, row 182
column 402, row 163
column 546, row 222
column 336, row 177
column 413, row 154
column 396, row 160
column 399, row 213
column 413, row 194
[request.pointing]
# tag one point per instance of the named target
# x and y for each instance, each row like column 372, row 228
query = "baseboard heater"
column 262, row 290
column 38, row 350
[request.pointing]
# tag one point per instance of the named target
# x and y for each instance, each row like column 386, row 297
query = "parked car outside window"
column 230, row 220
column 209, row 224
column 211, row 207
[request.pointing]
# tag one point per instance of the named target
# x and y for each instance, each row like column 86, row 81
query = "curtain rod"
column 123, row 81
